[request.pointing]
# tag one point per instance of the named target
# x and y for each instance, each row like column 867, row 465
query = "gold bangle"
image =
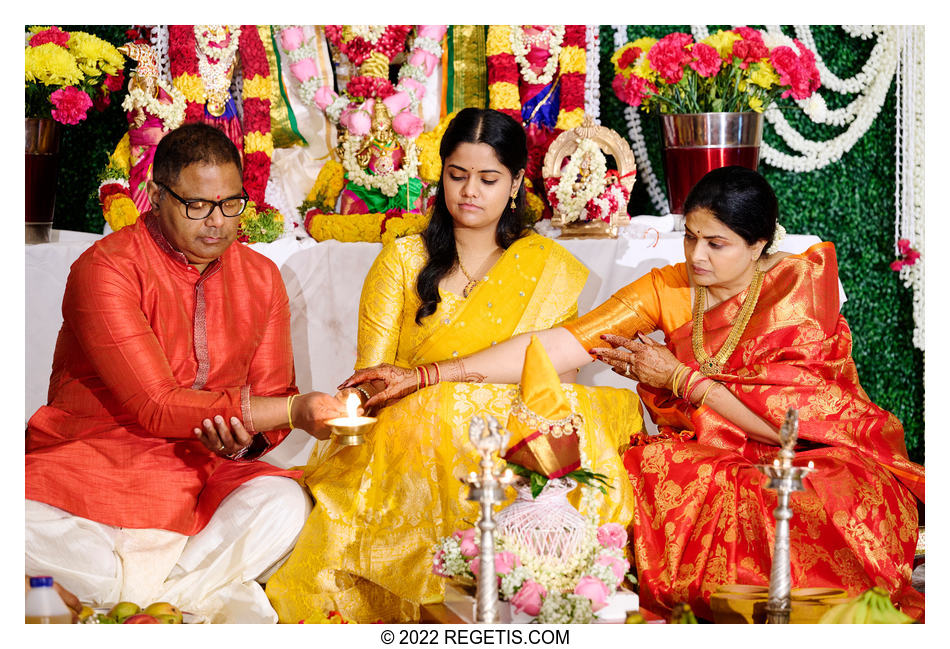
column 290, row 405
column 362, row 391
column 690, row 378
column 703, row 400
column 676, row 377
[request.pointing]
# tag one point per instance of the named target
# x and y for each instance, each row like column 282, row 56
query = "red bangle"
column 689, row 393
column 438, row 374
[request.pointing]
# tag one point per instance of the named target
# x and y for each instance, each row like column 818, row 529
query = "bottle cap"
column 38, row 582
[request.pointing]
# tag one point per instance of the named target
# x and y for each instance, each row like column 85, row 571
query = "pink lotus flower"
column 467, row 542
column 612, row 535
column 435, row 32
column 593, row 589
column 52, row 35
column 619, row 566
column 323, row 97
column 423, row 59
column 71, row 105
column 291, row 38
column 408, row 125
column 304, row 69
column 397, row 102
column 357, row 120
column 706, row 60
column 529, row 597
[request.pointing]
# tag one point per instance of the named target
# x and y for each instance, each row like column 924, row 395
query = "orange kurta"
column 704, row 515
column 148, row 348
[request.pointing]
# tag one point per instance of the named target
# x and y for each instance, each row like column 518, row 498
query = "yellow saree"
column 366, row 550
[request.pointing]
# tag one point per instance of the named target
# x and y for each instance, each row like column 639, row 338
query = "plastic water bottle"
column 44, row 605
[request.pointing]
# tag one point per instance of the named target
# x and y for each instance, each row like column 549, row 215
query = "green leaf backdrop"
column 849, row 202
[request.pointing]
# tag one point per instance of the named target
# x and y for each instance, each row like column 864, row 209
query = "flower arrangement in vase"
column 67, row 73
column 736, row 70
column 552, row 589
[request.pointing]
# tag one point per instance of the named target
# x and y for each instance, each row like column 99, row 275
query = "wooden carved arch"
column 611, row 143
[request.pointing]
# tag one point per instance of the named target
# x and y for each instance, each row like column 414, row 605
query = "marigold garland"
column 375, row 227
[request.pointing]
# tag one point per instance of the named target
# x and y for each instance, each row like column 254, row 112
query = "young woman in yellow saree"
column 749, row 333
column 366, row 550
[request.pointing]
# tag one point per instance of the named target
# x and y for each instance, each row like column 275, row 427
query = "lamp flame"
column 352, row 405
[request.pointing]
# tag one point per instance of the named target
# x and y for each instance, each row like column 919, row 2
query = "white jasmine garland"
column 520, row 49
column 369, row 33
column 592, row 78
column 571, row 201
column 172, row 115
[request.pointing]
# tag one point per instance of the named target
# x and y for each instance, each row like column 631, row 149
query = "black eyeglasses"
column 201, row 208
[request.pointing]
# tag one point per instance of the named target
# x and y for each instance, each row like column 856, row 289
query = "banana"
column 873, row 606
column 682, row 614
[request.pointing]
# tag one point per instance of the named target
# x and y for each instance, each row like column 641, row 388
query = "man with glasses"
column 173, row 373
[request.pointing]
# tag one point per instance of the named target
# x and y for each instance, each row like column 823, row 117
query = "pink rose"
column 474, row 565
column 437, row 563
column 619, row 566
column 323, row 97
column 529, row 597
column 304, row 69
column 291, row 38
column 357, row 121
column 505, row 561
column 71, row 105
column 467, row 543
column 415, row 86
column 408, row 125
column 612, row 535
column 593, row 589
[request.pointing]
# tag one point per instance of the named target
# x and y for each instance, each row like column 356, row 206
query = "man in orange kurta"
column 167, row 325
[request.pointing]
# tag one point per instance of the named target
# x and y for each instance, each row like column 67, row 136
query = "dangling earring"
column 513, row 205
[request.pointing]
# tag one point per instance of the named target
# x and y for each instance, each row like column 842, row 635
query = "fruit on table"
column 635, row 617
column 123, row 610
column 682, row 614
column 141, row 618
column 85, row 613
column 164, row 610
column 873, row 606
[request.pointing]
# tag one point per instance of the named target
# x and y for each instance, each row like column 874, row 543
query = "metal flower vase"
column 42, row 170
column 694, row 144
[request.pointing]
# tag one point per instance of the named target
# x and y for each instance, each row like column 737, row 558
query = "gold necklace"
column 710, row 366
column 472, row 282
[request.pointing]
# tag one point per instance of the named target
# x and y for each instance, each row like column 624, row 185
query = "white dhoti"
column 215, row 574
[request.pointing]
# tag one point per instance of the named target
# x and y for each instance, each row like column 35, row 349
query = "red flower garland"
column 183, row 56
column 390, row 43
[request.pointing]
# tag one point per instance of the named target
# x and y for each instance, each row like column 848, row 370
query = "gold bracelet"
column 690, row 378
column 703, row 400
column 290, row 405
column 362, row 391
column 676, row 377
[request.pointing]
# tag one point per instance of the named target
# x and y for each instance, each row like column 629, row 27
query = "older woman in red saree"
column 749, row 333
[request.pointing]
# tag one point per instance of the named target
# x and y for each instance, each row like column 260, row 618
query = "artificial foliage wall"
column 849, row 202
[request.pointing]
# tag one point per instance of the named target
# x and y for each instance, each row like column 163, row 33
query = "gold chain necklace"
column 472, row 282
column 710, row 366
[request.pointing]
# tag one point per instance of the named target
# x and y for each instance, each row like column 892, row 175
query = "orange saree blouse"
column 704, row 517
column 148, row 348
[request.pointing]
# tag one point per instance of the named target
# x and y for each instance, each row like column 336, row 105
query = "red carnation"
column 669, row 56
column 114, row 82
column 502, row 67
column 802, row 81
column 751, row 48
column 632, row 90
column 629, row 57
column 52, row 35
column 706, row 60
column 71, row 105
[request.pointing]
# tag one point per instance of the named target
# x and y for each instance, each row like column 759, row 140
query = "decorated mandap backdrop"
column 846, row 162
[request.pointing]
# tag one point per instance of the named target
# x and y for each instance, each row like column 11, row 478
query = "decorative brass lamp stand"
column 350, row 430
column 487, row 488
column 784, row 478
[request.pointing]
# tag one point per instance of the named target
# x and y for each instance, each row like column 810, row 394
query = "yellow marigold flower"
column 722, row 41
column 191, row 86
column 763, row 75
column 572, row 59
column 535, row 206
column 51, row 65
column 644, row 43
column 121, row 157
column 260, row 87
column 644, row 70
column 498, row 40
column 755, row 104
column 328, row 185
column 120, row 212
column 568, row 120
column 504, row 95
column 257, row 141
column 430, row 164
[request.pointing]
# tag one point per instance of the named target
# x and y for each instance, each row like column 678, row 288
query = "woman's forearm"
column 502, row 363
column 723, row 401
